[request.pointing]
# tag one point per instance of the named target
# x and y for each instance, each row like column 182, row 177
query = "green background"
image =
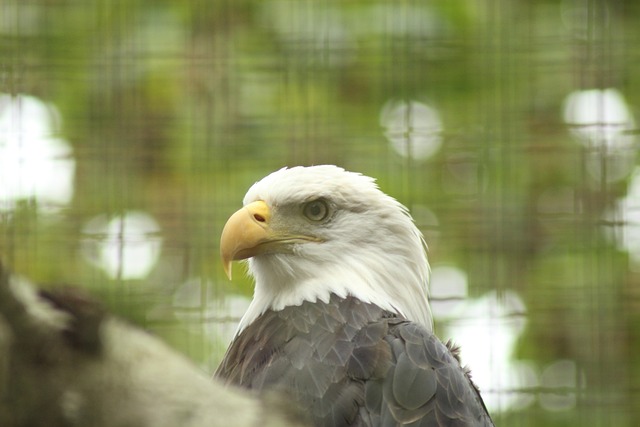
column 175, row 108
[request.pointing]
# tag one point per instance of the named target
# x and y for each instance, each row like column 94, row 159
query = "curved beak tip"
column 227, row 265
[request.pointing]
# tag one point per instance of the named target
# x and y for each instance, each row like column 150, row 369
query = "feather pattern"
column 351, row 363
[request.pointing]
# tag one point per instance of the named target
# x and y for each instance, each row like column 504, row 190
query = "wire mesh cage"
column 129, row 131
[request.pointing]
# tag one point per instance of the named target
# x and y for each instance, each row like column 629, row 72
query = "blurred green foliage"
column 176, row 107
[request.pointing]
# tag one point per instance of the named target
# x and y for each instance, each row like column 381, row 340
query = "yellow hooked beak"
column 248, row 233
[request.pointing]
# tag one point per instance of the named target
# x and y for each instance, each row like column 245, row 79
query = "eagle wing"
column 349, row 363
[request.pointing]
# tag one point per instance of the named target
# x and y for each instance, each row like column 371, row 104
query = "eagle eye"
column 316, row 210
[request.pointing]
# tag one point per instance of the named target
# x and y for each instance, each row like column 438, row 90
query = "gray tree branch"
column 64, row 361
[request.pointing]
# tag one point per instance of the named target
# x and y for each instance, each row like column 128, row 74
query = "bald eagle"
column 339, row 320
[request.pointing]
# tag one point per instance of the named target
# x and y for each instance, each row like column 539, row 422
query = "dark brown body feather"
column 348, row 363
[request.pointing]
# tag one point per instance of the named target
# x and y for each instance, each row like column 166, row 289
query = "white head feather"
column 371, row 248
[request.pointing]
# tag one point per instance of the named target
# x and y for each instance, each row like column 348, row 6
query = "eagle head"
column 309, row 232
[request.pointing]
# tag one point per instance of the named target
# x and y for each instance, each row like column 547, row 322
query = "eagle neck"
column 281, row 294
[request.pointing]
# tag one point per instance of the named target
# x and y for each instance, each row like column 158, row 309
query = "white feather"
column 372, row 249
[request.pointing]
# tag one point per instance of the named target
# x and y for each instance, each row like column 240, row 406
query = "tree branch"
column 65, row 361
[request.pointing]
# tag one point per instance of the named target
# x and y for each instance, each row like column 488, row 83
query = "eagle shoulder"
column 349, row 363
